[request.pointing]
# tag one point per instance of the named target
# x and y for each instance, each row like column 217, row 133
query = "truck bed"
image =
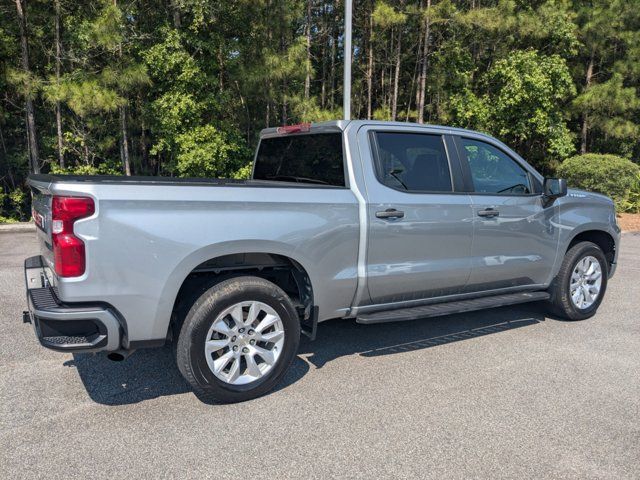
column 169, row 181
column 149, row 233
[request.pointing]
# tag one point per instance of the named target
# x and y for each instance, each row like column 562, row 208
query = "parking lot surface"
column 504, row 393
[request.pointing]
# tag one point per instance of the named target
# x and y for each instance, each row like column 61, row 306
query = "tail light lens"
column 68, row 250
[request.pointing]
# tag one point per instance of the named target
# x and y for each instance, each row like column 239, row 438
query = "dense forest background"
column 182, row 87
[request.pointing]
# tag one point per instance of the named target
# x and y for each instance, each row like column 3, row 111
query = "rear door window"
column 415, row 162
column 314, row 158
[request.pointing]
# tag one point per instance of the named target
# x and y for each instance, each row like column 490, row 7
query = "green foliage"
column 386, row 15
column 187, row 85
column 106, row 29
column 105, row 168
column 309, row 110
column 383, row 113
column 169, row 62
column 207, row 152
column 523, row 106
column 14, row 206
column 185, row 113
column 242, row 173
column 607, row 174
column 18, row 201
column 25, row 84
column 611, row 109
column 84, row 95
column 632, row 203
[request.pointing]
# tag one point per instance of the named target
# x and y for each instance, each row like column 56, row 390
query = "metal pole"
column 346, row 87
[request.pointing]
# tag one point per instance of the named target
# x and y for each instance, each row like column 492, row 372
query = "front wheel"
column 579, row 287
column 238, row 340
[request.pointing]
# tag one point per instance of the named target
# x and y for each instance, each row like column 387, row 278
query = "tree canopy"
column 182, row 87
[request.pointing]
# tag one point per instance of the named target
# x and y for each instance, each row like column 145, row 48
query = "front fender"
column 583, row 212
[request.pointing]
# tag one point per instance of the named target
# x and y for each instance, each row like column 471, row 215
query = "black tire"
column 190, row 355
column 561, row 302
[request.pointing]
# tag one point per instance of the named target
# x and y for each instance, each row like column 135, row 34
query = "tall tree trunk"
column 383, row 95
column 423, row 72
column 270, row 93
column 325, row 39
column 3, row 144
column 285, row 116
column 307, row 78
column 585, row 117
column 370, row 67
column 246, row 109
column 419, row 61
column 32, row 139
column 177, row 22
column 125, row 141
column 144, row 146
column 144, row 150
column 285, row 83
column 124, row 149
column 323, row 88
column 85, row 145
column 267, row 116
column 332, row 69
column 4, row 152
column 58, row 61
column 414, row 75
column 396, row 79
column 220, row 67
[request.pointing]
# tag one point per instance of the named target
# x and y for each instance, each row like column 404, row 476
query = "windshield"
column 314, row 158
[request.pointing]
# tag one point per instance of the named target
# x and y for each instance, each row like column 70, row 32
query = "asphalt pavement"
column 504, row 393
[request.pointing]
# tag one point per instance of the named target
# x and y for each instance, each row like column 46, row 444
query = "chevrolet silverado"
column 372, row 221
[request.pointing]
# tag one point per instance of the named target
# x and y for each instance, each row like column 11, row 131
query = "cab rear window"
column 313, row 158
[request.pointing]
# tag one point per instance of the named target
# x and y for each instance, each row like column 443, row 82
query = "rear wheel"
column 238, row 340
column 579, row 287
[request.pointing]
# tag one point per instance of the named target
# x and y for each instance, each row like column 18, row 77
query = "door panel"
column 426, row 251
column 516, row 248
column 514, row 237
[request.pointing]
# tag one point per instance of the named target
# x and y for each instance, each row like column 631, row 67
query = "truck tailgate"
column 41, row 212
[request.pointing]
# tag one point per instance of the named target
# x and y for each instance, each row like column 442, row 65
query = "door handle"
column 390, row 213
column 488, row 212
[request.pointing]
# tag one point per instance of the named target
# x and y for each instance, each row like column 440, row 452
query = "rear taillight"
column 68, row 250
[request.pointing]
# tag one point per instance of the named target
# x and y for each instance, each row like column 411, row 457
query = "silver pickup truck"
column 364, row 220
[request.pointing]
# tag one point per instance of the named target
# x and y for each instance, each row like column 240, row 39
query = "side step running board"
column 448, row 308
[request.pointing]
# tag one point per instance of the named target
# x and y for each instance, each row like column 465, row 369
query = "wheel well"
column 600, row 238
column 285, row 272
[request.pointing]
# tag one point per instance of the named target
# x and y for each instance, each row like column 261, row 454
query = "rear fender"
column 189, row 263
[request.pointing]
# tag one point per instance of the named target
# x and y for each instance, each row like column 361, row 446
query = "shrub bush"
column 632, row 203
column 613, row 176
column 14, row 206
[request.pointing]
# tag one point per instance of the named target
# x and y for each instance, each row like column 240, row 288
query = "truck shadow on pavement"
column 338, row 338
column 145, row 375
column 153, row 373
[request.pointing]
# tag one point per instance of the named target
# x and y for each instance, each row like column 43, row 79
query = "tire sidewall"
column 206, row 309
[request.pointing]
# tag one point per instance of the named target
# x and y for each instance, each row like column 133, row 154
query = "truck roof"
column 341, row 125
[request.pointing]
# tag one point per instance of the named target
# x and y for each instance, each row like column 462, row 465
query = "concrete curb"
column 17, row 227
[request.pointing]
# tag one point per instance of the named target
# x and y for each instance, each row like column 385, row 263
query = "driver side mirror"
column 553, row 188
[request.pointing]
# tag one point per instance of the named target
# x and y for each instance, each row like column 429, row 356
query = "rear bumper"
column 81, row 328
